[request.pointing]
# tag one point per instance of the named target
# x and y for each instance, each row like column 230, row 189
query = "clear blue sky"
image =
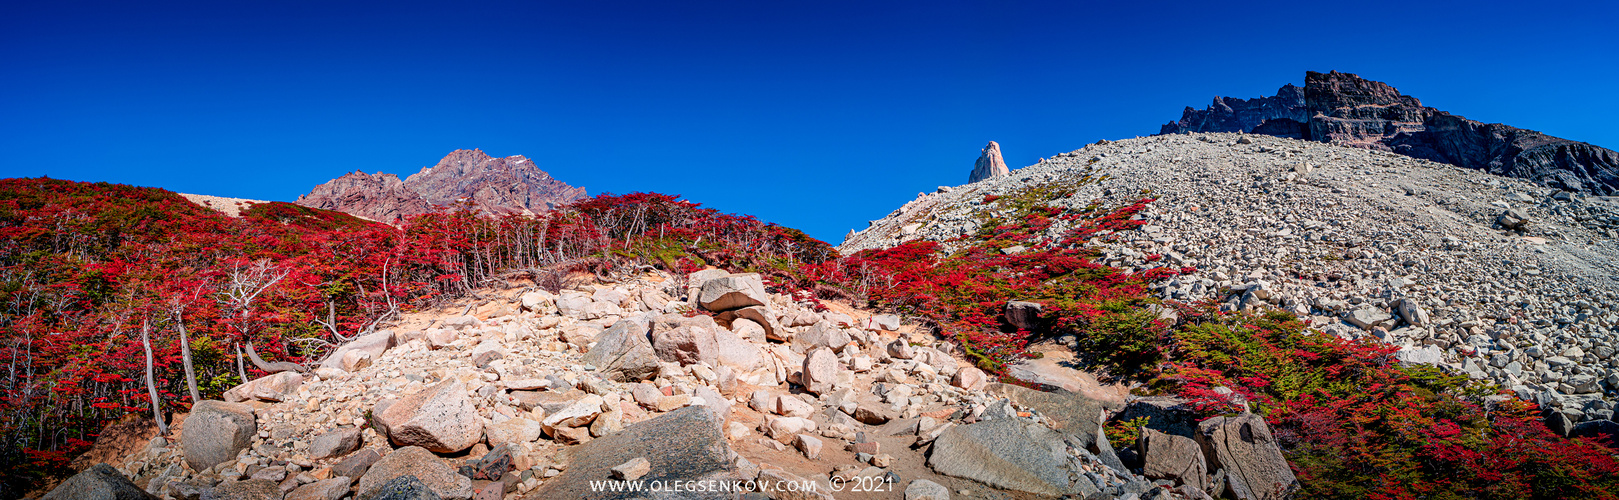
column 817, row 115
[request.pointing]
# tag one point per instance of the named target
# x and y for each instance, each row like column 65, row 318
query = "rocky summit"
column 1491, row 277
column 989, row 164
column 1343, row 108
column 512, row 184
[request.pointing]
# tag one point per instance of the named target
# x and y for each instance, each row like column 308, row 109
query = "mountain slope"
column 1339, row 235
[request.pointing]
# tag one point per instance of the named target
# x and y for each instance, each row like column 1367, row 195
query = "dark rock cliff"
column 1343, row 108
column 1227, row 114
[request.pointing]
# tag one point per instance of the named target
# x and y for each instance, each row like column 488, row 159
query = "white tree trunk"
column 151, row 383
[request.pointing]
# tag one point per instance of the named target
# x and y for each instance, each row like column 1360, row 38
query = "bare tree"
column 244, row 287
column 177, row 306
column 151, row 383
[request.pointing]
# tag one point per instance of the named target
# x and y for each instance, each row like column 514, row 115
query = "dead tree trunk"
column 240, row 370
column 276, row 367
column 185, row 357
column 151, row 383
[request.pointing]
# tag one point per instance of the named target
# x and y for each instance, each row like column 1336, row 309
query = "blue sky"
column 817, row 115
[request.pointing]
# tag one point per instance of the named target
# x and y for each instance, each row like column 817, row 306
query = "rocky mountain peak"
column 989, row 164
column 1229, row 114
column 512, row 184
column 1345, row 109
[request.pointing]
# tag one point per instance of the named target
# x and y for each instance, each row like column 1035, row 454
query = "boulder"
column 538, row 301
column 374, row 344
column 1596, row 429
column 790, row 406
column 573, row 303
column 683, row 445
column 1024, row 315
column 1166, row 414
column 513, row 431
column 492, row 466
column 215, row 431
column 821, row 368
column 1411, row 312
column 251, row 489
column 414, row 461
column 1176, row 458
column 821, row 334
column 1006, row 453
column 100, row 481
column 900, row 349
column 1513, row 218
column 356, row 465
column 405, row 487
column 922, row 489
column 687, row 345
column 733, row 292
column 1369, row 318
column 1429, row 355
column 578, row 414
column 326, row 489
column 1244, row 447
column 274, row 388
column 888, row 322
column 734, row 351
column 623, row 353
column 970, row 378
column 336, row 443
column 440, row 418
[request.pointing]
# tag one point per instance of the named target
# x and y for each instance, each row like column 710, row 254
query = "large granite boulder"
column 1253, row 462
column 440, row 418
column 215, row 431
column 1176, row 458
column 683, row 445
column 1006, row 453
column 415, row 461
column 734, row 291
column 274, row 388
column 624, row 353
column 687, row 345
column 99, row 482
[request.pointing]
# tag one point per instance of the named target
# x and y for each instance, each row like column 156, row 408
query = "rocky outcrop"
column 989, row 164
column 1345, row 109
column 1228, row 114
column 513, row 184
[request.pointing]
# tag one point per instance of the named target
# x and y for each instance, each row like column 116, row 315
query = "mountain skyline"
column 848, row 115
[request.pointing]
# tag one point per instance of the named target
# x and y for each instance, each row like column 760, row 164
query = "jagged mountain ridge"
column 1343, row 108
column 513, row 184
column 1229, row 114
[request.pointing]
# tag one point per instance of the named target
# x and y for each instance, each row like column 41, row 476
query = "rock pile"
column 706, row 379
column 1489, row 276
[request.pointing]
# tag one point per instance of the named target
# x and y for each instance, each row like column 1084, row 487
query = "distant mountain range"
column 513, row 184
column 1343, row 108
